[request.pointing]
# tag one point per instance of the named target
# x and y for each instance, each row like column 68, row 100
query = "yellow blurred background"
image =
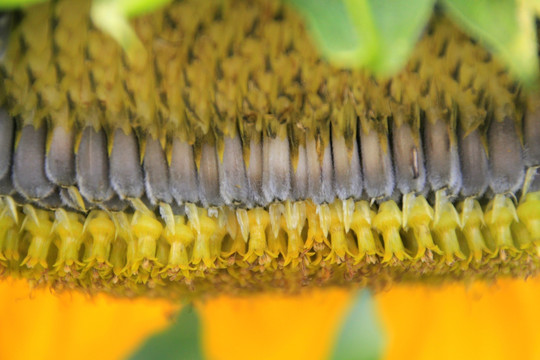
column 480, row 321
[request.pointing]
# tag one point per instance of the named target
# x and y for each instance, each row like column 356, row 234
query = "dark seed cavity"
column 442, row 159
column 209, row 176
column 299, row 176
column 474, row 164
column 347, row 170
column 29, row 164
column 232, row 173
column 255, row 171
column 378, row 165
column 93, row 166
column 156, row 172
column 276, row 179
column 182, row 174
column 60, row 160
column 505, row 157
column 408, row 160
column 6, row 151
column 126, row 174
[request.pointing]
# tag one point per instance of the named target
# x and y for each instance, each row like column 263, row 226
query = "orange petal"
column 272, row 326
column 39, row 325
column 481, row 321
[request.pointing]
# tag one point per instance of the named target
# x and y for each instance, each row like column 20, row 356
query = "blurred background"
column 476, row 321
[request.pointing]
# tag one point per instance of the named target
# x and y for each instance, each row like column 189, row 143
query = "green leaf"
column 180, row 341
column 393, row 28
column 506, row 27
column 361, row 337
column 138, row 7
column 332, row 29
column 128, row 7
column 10, row 4
column 534, row 5
column 110, row 18
column 377, row 34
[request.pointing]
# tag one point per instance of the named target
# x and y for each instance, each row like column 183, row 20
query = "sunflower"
column 209, row 153
column 481, row 321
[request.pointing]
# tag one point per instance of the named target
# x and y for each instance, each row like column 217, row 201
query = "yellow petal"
column 37, row 324
column 271, row 326
column 481, row 321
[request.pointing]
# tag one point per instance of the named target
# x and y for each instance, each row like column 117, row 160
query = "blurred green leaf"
column 535, row 6
column 506, row 27
column 8, row 4
column 377, row 34
column 361, row 337
column 332, row 29
column 138, row 7
column 110, row 18
column 180, row 341
column 128, row 7
column 392, row 29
